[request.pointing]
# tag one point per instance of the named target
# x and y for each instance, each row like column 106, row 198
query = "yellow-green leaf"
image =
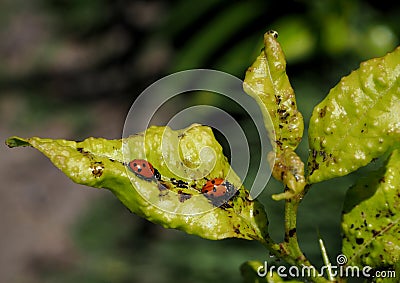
column 359, row 119
column 267, row 82
column 371, row 219
column 184, row 159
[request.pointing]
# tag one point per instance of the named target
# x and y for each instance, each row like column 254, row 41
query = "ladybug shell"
column 216, row 188
column 143, row 169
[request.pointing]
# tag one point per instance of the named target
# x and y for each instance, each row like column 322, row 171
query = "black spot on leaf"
column 359, row 241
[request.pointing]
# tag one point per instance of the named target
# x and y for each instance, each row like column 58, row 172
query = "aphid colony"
column 217, row 190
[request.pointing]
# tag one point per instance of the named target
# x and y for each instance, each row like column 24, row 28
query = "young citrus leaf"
column 358, row 120
column 267, row 82
column 371, row 218
column 184, row 159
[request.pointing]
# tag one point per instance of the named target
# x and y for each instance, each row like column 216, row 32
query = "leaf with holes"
column 358, row 121
column 183, row 158
column 371, row 218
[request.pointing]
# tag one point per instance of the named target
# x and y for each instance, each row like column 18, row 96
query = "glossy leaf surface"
column 359, row 119
column 184, row 158
column 267, row 82
column 371, row 219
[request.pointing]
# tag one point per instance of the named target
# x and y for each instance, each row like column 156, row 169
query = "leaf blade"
column 267, row 82
column 102, row 163
column 371, row 218
column 357, row 121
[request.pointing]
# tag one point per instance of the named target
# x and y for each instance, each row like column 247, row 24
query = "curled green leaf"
column 185, row 160
column 359, row 119
column 267, row 82
column 371, row 218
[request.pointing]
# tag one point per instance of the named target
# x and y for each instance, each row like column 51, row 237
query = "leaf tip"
column 271, row 33
column 16, row 142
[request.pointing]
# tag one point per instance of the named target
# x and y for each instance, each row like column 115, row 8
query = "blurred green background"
column 72, row 68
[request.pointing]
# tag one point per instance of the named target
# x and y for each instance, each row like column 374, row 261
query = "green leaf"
column 359, row 119
column 267, row 82
column 371, row 218
column 189, row 155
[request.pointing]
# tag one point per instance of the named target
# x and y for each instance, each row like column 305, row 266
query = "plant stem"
column 290, row 242
column 290, row 250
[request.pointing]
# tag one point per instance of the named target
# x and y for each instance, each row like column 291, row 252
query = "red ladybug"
column 218, row 191
column 144, row 170
column 215, row 188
